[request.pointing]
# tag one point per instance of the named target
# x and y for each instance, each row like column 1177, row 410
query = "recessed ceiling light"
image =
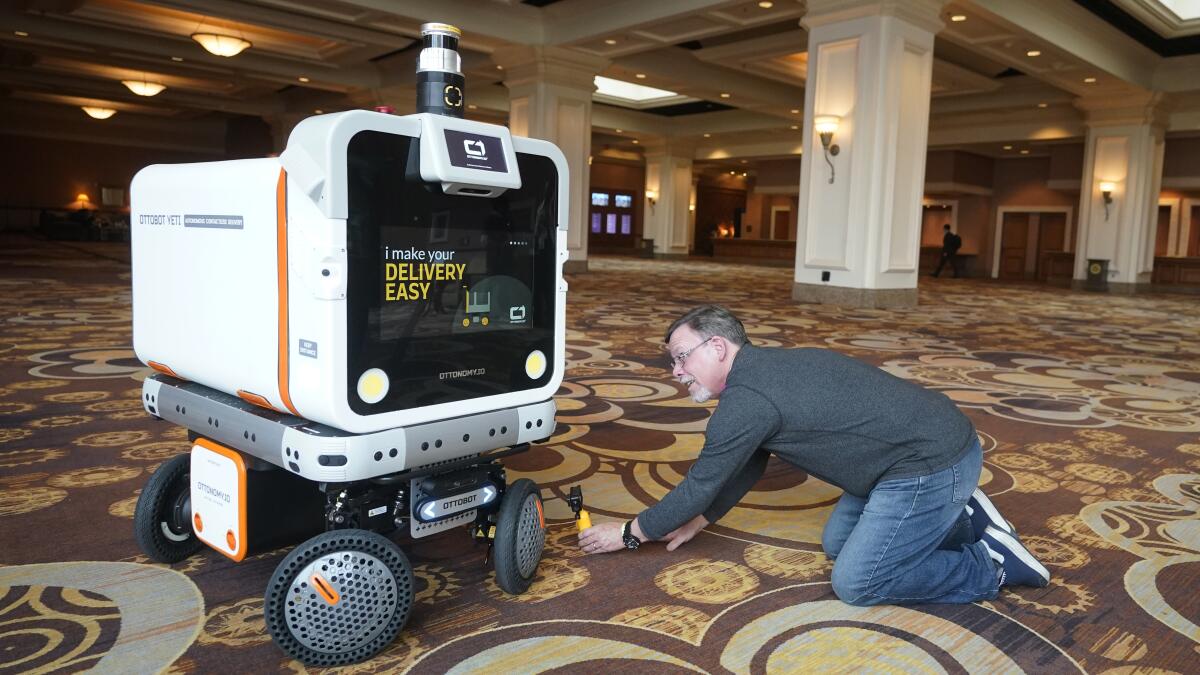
column 1042, row 105
column 471, row 106
column 724, row 95
column 635, row 141
column 766, row 4
column 302, row 79
column 177, row 59
column 795, row 127
column 1008, row 147
column 618, row 131
column 20, row 33
column 640, row 76
column 318, row 111
column 499, row 67
column 610, row 41
column 1089, row 80
column 708, row 135
column 745, row 162
column 795, row 111
column 1024, row 152
column 1033, row 52
column 956, row 18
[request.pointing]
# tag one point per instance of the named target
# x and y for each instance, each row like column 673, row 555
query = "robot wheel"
column 162, row 519
column 340, row 597
column 520, row 536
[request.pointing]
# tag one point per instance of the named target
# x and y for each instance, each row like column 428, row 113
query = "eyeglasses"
column 677, row 361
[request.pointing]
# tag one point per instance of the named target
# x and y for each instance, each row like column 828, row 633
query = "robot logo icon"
column 475, row 148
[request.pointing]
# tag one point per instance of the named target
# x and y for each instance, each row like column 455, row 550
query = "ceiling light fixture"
column 221, row 45
column 1042, row 105
column 20, row 33
column 640, row 76
column 177, row 59
column 471, row 106
column 302, row 79
column 708, row 135
column 1033, row 52
column 318, row 111
column 766, row 4
column 635, row 141
column 618, row 131
column 958, row 18
column 143, row 87
column 725, row 94
column 610, row 41
column 795, row 111
column 794, row 127
column 1008, row 147
column 1024, row 152
column 99, row 113
column 1089, row 80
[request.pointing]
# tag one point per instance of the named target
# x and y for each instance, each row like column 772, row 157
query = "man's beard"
column 702, row 395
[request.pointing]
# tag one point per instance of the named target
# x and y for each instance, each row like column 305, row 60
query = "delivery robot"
column 354, row 333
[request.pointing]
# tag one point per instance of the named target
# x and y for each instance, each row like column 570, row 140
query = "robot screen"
column 448, row 295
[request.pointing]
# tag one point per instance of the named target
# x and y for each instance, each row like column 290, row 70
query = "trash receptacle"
column 647, row 250
column 1097, row 275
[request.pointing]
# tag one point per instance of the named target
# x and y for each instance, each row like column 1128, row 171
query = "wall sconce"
column 826, row 126
column 652, row 197
column 1106, row 190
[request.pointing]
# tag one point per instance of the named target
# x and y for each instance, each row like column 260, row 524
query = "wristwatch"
column 627, row 536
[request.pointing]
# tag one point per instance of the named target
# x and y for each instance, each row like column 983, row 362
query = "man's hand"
column 602, row 538
column 685, row 532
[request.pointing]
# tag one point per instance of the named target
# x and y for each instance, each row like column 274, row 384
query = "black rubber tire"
column 154, row 516
column 515, row 544
column 279, row 601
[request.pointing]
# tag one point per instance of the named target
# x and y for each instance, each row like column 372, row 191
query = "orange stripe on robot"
column 281, row 244
column 162, row 368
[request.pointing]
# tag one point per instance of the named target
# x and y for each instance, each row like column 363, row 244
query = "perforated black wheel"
column 520, row 536
column 338, row 598
column 162, row 519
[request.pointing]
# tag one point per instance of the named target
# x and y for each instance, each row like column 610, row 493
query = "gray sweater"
column 837, row 418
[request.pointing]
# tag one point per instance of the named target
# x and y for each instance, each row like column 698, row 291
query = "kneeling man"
column 911, row 527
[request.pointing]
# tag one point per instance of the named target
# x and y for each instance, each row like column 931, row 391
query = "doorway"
column 1031, row 242
column 781, row 222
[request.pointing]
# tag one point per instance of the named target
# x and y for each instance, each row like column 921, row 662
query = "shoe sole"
column 1018, row 549
column 993, row 514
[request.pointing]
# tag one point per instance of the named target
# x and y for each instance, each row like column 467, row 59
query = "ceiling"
column 742, row 61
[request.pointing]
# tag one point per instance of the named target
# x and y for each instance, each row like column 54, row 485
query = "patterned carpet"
column 1088, row 407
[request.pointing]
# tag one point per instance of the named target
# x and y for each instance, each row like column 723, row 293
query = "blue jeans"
column 910, row 541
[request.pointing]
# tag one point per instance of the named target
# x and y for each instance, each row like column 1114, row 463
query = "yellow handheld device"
column 582, row 519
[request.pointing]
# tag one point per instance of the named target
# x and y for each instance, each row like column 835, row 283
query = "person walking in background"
column 951, row 242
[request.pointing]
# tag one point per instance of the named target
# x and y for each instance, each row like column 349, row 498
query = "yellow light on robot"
column 535, row 364
column 373, row 385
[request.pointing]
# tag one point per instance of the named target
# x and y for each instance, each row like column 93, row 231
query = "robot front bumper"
column 324, row 454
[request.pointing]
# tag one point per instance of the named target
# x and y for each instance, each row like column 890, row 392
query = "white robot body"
column 382, row 272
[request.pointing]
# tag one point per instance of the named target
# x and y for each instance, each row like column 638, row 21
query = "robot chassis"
column 343, row 595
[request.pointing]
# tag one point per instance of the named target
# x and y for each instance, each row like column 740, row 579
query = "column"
column 668, row 197
column 550, row 94
column 1123, row 156
column 869, row 73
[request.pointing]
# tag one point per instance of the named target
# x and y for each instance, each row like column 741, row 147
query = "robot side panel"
column 205, row 300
